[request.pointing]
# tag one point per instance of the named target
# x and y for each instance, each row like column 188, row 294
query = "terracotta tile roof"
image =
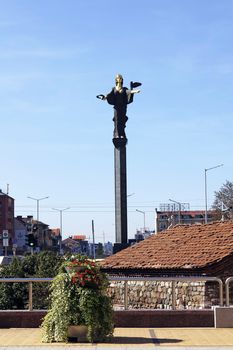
column 181, row 247
column 55, row 231
column 79, row 237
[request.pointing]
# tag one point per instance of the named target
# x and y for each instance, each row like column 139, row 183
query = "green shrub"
column 15, row 295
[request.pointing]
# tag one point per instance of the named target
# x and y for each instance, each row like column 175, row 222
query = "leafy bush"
column 13, row 295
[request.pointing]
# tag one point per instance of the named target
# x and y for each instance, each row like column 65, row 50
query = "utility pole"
column 61, row 228
column 214, row 167
column 144, row 218
column 93, row 238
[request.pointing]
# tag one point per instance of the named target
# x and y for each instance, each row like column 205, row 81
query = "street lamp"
column 61, row 211
column 214, row 167
column 179, row 215
column 144, row 220
column 37, row 200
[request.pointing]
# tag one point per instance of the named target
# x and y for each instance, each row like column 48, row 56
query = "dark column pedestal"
column 120, row 192
column 117, row 247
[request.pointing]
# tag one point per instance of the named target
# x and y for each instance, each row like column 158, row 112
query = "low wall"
column 122, row 318
column 164, row 318
column 223, row 317
column 21, row 319
column 158, row 295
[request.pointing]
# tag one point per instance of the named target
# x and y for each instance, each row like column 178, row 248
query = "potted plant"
column 79, row 298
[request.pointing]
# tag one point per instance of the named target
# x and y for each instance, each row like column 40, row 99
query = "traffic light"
column 31, row 240
column 34, row 228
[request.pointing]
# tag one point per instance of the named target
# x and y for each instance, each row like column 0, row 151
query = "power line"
column 100, row 207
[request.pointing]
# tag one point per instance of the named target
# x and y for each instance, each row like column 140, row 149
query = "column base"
column 119, row 246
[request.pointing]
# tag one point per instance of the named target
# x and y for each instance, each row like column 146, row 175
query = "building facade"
column 45, row 238
column 6, row 219
column 167, row 219
column 20, row 239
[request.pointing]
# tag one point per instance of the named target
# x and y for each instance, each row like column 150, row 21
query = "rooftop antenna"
column 7, row 189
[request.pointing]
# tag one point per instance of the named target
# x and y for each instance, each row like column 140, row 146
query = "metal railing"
column 174, row 280
column 227, row 282
column 29, row 281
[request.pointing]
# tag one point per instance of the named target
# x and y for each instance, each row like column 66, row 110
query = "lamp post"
column 61, row 211
column 179, row 215
column 144, row 218
column 37, row 206
column 214, row 167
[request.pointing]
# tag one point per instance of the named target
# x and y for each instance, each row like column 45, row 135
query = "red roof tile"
column 182, row 247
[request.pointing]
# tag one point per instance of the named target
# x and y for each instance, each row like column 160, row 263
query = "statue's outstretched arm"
column 135, row 91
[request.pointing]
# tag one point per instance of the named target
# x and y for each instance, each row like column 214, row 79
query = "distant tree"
column 99, row 251
column 29, row 264
column 224, row 198
column 15, row 295
column 48, row 264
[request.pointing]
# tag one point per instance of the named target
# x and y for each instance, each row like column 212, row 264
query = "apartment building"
column 167, row 219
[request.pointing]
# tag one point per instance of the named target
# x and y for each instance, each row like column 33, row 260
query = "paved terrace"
column 127, row 338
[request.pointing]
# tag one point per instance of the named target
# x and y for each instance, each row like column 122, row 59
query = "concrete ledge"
column 21, row 319
column 223, row 317
column 164, row 318
column 122, row 318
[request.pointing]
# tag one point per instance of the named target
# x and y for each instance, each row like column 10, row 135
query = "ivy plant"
column 79, row 297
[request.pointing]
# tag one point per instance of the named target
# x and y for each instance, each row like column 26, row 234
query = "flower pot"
column 79, row 332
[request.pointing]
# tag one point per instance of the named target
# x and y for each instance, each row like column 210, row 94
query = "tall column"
column 119, row 97
column 120, row 190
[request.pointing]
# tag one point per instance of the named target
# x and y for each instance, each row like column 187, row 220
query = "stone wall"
column 158, row 295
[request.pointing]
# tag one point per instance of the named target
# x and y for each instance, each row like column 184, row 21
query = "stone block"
column 223, row 317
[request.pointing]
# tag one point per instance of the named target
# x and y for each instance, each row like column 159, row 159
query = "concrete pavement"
column 127, row 339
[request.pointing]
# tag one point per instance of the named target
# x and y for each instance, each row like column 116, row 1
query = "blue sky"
column 56, row 137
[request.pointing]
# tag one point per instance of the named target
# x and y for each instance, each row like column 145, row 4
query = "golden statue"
column 120, row 97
